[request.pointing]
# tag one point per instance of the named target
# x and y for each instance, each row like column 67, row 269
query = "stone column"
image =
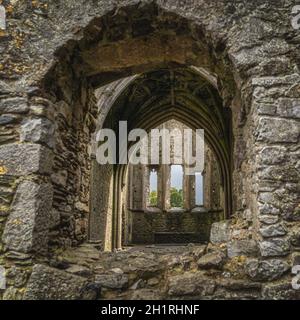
column 277, row 106
column 25, row 168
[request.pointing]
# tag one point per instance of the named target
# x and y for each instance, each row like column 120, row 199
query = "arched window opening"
column 176, row 184
column 153, row 189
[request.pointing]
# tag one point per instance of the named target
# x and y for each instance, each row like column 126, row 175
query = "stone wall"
column 54, row 55
column 172, row 227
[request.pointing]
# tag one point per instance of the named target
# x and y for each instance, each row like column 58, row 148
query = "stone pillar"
column 165, row 187
column 277, row 106
column 25, row 168
column 100, row 220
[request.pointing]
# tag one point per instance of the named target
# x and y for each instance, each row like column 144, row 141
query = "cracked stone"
column 266, row 269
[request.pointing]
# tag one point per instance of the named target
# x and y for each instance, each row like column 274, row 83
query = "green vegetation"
column 153, row 198
column 176, row 198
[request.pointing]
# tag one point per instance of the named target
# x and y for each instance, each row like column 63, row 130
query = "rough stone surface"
column 13, row 105
column 8, row 119
column 266, row 269
column 25, row 159
column 146, row 294
column 190, row 284
column 278, row 130
column 268, row 219
column 47, row 283
column 242, row 247
column 289, row 108
column 273, row 230
column 27, row 227
column 211, row 260
column 275, row 247
column 75, row 65
column 281, row 290
column 112, row 281
column 38, row 130
column 220, row 232
column 295, row 237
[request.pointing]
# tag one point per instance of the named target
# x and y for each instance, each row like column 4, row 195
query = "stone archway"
column 49, row 87
column 147, row 101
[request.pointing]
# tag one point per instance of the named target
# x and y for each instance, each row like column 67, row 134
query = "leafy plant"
column 153, row 198
column 176, row 198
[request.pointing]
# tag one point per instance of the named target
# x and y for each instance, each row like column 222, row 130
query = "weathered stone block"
column 47, row 283
column 211, row 260
column 268, row 219
column 275, row 247
column 191, row 284
column 13, row 105
column 220, row 232
column 7, row 119
column 273, row 230
column 295, row 236
column 146, row 294
column 242, row 247
column 268, row 209
column 279, row 173
column 24, row 159
column 266, row 109
column 27, row 227
column 272, row 155
column 266, row 269
column 266, row 197
column 112, row 281
column 80, row 270
column 270, row 81
column 38, row 130
column 277, row 130
column 5, row 87
column 295, row 259
column 280, row 291
column 289, row 108
column 242, row 289
column 12, row 293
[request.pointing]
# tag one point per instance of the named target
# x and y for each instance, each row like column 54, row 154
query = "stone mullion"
column 165, row 185
column 146, row 186
column 188, row 193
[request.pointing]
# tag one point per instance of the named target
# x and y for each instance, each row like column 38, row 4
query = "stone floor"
column 159, row 272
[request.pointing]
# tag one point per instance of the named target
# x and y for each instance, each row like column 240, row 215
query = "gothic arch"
column 150, row 99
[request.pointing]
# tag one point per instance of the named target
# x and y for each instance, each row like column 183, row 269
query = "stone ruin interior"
column 71, row 228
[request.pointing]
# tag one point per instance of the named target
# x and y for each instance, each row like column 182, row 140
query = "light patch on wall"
column 2, row 279
column 199, row 189
column 3, row 170
column 2, row 18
